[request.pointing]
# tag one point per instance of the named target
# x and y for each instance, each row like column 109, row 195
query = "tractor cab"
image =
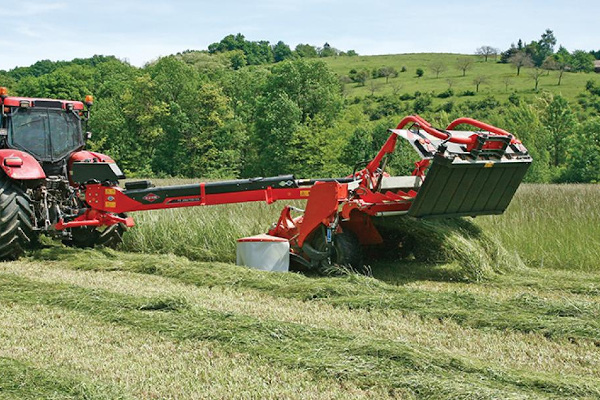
column 49, row 130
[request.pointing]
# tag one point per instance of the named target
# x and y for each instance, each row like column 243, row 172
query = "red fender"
column 88, row 156
column 19, row 165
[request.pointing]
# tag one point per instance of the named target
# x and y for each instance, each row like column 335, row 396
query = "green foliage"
column 558, row 122
column 445, row 94
column 359, row 77
column 282, row 52
column 327, row 51
column 542, row 49
column 256, row 53
column 422, row 103
column 306, row 51
column 276, row 134
column 582, row 61
column 419, row 72
column 583, row 163
column 299, row 100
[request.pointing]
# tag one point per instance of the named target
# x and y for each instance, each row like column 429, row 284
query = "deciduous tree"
column 536, row 74
column 479, row 80
column 464, row 64
column 486, row 52
column 437, row 67
column 520, row 60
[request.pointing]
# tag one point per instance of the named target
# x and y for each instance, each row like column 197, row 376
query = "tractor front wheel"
column 16, row 216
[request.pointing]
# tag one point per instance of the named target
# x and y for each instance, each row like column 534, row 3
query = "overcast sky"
column 141, row 31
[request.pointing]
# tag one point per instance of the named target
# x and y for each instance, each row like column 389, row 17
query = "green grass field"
column 502, row 79
column 169, row 315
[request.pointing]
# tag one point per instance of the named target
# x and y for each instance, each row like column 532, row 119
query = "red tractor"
column 49, row 184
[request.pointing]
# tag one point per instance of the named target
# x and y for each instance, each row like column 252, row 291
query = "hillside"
column 101, row 324
column 501, row 79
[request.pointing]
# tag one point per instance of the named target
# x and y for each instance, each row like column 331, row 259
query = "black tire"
column 346, row 253
column 16, row 216
column 109, row 236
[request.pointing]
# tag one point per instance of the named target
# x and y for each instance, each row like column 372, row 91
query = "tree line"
column 198, row 114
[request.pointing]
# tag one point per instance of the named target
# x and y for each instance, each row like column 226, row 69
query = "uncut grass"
column 507, row 349
column 552, row 226
column 200, row 233
column 323, row 352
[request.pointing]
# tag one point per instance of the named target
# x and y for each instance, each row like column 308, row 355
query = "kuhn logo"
column 150, row 197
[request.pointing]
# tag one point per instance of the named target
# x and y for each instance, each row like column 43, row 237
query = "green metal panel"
column 461, row 188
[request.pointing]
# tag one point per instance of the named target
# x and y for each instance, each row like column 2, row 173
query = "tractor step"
column 456, row 187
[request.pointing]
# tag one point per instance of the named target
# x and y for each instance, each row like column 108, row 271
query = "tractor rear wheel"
column 108, row 236
column 16, row 216
column 346, row 252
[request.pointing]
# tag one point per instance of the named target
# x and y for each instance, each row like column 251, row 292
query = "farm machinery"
column 49, row 184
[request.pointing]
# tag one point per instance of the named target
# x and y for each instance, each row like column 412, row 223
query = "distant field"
column 144, row 323
column 407, row 82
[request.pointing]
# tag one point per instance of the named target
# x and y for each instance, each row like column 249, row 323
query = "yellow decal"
column 489, row 165
column 110, row 191
column 304, row 193
column 110, row 204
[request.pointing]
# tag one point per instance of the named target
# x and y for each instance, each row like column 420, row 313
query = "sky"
column 140, row 31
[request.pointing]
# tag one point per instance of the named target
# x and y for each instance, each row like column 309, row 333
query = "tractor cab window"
column 47, row 134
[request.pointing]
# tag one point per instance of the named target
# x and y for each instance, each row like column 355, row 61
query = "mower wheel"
column 107, row 236
column 346, row 253
column 16, row 216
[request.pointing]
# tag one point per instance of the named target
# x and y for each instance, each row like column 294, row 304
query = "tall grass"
column 556, row 226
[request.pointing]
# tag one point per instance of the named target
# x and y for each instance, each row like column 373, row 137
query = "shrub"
column 445, row 94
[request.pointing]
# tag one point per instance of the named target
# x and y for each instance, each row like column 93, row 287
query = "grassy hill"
column 123, row 324
column 497, row 75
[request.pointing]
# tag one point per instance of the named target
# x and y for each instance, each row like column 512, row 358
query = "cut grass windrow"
column 526, row 312
column 20, row 380
column 144, row 365
column 325, row 353
column 512, row 350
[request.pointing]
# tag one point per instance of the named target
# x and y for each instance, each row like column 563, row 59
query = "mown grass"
column 520, row 311
column 20, row 380
column 364, row 361
column 407, row 82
